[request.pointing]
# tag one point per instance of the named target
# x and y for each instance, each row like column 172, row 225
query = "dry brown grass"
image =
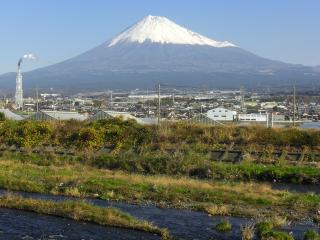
column 250, row 189
column 247, row 232
column 278, row 221
column 217, row 210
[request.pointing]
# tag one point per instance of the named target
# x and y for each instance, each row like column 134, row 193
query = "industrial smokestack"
column 19, row 91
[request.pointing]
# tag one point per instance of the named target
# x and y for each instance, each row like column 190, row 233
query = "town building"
column 253, row 117
column 222, row 114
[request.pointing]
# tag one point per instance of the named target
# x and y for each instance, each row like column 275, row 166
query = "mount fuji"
column 157, row 50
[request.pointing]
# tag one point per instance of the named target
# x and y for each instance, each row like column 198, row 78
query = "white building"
column 253, row 117
column 222, row 114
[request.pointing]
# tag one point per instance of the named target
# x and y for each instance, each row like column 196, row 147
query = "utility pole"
column 148, row 102
column 241, row 100
column 111, row 99
column 37, row 93
column 159, row 104
column 294, row 105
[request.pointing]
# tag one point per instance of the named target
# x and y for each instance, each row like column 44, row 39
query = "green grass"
column 311, row 235
column 224, row 198
column 182, row 164
column 224, row 226
column 81, row 211
column 265, row 231
column 263, row 227
column 277, row 235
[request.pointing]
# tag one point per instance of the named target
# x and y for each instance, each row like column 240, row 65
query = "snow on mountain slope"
column 161, row 30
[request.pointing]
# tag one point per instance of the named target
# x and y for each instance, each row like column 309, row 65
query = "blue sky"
column 286, row 30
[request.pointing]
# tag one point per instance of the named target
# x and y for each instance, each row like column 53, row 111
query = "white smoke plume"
column 29, row 56
column 26, row 56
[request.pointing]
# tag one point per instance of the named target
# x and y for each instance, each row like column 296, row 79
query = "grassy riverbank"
column 192, row 165
column 81, row 211
column 173, row 149
column 216, row 198
column 172, row 165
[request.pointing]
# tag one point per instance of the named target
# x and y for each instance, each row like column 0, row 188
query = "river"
column 182, row 224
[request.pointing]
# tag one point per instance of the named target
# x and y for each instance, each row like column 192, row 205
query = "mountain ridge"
column 151, row 58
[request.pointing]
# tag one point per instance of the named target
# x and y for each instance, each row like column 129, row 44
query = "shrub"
column 263, row 228
column 265, row 232
column 223, row 226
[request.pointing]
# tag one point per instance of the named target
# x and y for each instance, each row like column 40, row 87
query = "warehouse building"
column 57, row 115
column 11, row 115
column 102, row 114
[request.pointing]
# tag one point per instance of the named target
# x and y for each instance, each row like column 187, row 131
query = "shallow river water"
column 182, row 224
column 16, row 224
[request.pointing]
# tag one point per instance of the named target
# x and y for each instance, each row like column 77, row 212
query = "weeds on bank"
column 187, row 164
column 224, row 226
column 265, row 231
column 217, row 210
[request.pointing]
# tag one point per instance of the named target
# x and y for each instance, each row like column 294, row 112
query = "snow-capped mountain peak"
column 157, row 29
